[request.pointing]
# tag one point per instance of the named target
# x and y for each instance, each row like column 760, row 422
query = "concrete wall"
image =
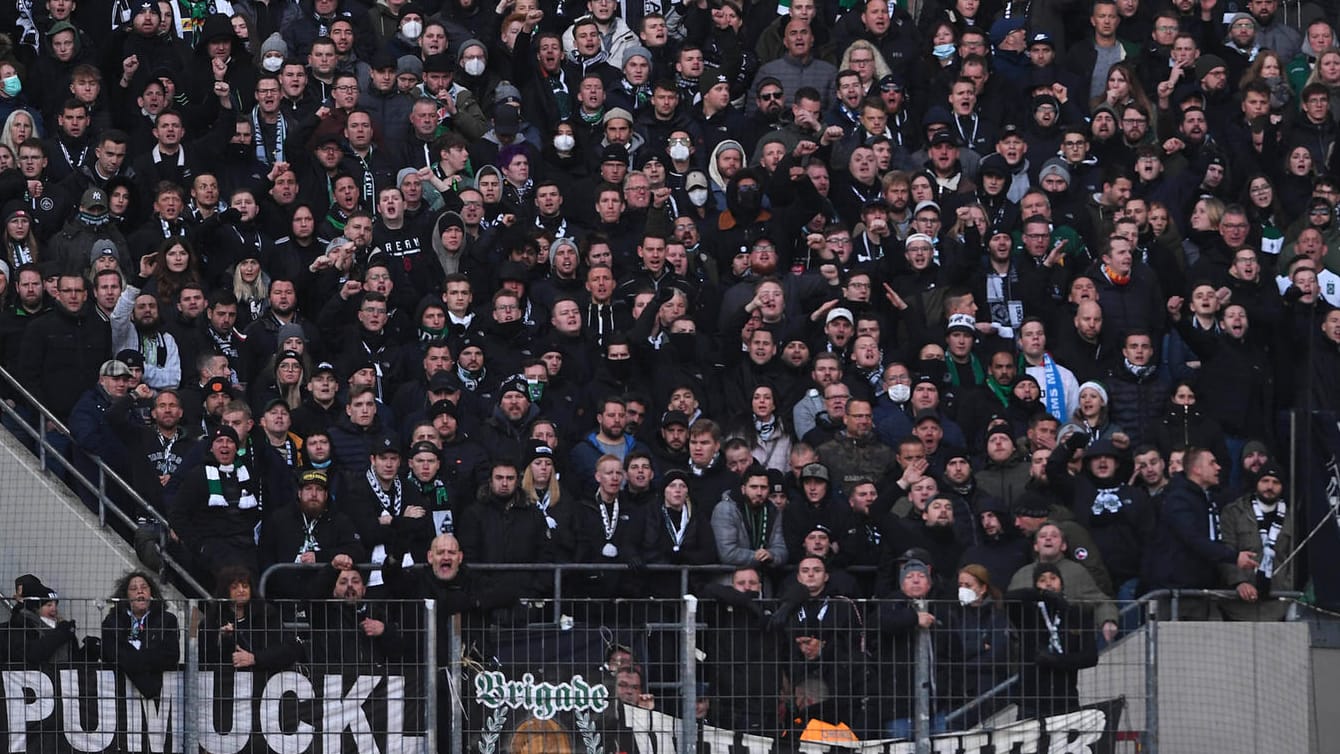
column 46, row 531
column 1225, row 687
column 1325, row 686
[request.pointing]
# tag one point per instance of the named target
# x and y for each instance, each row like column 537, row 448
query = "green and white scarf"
column 238, row 473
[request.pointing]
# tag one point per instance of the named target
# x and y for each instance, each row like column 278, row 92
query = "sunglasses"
column 769, row 96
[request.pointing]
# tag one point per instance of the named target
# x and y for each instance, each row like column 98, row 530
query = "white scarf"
column 1270, row 536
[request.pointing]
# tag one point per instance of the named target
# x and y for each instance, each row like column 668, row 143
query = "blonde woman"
column 19, row 127
column 251, row 286
column 867, row 61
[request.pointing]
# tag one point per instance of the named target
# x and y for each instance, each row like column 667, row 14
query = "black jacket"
column 259, row 630
column 282, row 538
column 338, row 640
column 158, row 647
column 1187, row 547
column 1135, row 402
column 61, row 354
column 1050, row 678
column 506, row 530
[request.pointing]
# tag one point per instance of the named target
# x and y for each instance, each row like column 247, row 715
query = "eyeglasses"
column 506, row 308
column 1133, row 121
column 1165, row 29
column 769, row 96
column 346, row 88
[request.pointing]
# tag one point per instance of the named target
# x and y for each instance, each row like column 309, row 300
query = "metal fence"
column 221, row 676
column 719, row 671
column 737, row 673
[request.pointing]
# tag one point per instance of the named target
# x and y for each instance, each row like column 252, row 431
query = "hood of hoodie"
column 719, row 181
column 218, row 25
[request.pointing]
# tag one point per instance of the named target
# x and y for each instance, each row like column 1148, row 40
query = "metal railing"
column 189, row 687
column 97, row 489
column 472, row 649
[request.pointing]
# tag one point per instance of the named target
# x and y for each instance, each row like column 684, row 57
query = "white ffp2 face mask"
column 411, row 29
column 272, row 65
column 679, row 152
column 564, row 142
column 473, row 66
column 900, row 393
column 698, row 197
column 966, row 596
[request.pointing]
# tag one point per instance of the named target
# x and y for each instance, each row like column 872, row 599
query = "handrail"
column 1226, row 594
column 105, row 472
column 1178, row 594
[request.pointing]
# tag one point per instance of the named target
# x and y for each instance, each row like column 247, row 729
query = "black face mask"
column 619, row 368
column 749, row 199
column 509, row 329
column 685, row 345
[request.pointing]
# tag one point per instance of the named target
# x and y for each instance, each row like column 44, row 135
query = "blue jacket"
column 582, row 461
column 95, row 423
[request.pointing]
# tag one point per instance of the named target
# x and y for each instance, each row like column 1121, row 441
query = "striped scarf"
column 238, row 481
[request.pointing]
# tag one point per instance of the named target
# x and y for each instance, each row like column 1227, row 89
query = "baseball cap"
column 961, row 322
column 93, row 198
column 814, row 471
column 313, row 476
column 671, row 418
column 839, row 312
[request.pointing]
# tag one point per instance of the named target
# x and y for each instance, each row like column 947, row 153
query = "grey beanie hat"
column 274, row 43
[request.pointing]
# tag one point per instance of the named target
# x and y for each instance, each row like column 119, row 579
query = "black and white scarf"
column 1269, row 522
column 224, row 344
column 764, row 429
column 391, row 505
column 268, row 155
column 1140, row 372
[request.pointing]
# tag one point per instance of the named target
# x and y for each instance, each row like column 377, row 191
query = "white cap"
column 838, row 313
column 962, row 322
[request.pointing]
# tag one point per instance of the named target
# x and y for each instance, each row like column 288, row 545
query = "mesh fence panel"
column 211, row 677
column 745, row 674
column 763, row 677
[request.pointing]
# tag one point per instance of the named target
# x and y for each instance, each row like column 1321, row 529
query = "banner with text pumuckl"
column 92, row 709
column 529, row 715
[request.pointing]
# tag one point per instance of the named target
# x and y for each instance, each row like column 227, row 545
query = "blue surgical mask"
column 943, row 51
column 12, row 86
